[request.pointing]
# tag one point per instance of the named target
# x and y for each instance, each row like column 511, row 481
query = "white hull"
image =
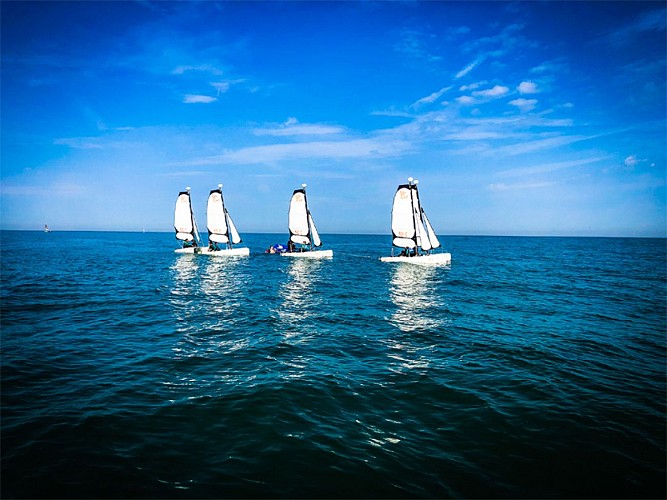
column 310, row 254
column 228, row 252
column 433, row 259
column 225, row 252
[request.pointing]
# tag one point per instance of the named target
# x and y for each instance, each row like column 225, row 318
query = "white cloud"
column 334, row 150
column 206, row 68
column 524, row 104
column 550, row 167
column 472, row 86
column 431, row 98
column 80, row 142
column 527, row 87
column 221, row 87
column 468, row 68
column 495, row 92
column 632, row 161
column 466, row 100
column 293, row 127
column 198, row 99
column 519, row 186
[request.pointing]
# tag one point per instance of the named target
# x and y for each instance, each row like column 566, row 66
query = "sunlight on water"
column 298, row 304
column 414, row 298
column 417, row 309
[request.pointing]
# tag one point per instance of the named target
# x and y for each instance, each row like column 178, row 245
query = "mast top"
column 410, row 179
column 219, row 186
column 187, row 189
column 304, row 185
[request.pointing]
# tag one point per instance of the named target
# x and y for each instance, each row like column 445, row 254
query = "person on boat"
column 290, row 246
column 213, row 246
column 189, row 244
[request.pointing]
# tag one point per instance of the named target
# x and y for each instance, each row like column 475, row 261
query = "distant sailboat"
column 221, row 228
column 412, row 231
column 186, row 225
column 46, row 228
column 302, row 229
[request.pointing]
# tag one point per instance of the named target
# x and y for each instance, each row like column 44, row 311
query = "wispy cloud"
column 524, row 104
column 206, row 68
column 333, row 150
column 79, row 142
column 198, row 99
column 416, row 44
column 292, row 127
column 525, row 147
column 430, row 99
column 469, row 68
column 521, row 186
column 550, row 167
column 654, row 20
column 492, row 93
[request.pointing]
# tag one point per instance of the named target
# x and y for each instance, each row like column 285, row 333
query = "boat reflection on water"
column 418, row 309
column 299, row 302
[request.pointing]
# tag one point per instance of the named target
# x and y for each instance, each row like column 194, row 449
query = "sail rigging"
column 184, row 219
column 410, row 227
column 300, row 221
column 221, row 228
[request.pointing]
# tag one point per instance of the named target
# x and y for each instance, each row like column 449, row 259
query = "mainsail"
column 184, row 220
column 409, row 225
column 221, row 229
column 300, row 221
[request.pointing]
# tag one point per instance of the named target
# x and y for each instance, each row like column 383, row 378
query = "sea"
column 531, row 367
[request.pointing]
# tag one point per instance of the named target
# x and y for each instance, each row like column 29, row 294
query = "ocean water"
column 529, row 368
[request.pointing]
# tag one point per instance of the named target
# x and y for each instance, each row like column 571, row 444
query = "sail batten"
column 221, row 228
column 410, row 227
column 300, row 221
column 298, row 218
column 185, row 224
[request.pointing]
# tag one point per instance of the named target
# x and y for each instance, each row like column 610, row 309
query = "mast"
column 423, row 240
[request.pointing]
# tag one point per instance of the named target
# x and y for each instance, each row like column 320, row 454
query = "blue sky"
column 536, row 118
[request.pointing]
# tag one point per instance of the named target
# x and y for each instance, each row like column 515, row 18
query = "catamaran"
column 186, row 225
column 46, row 228
column 303, row 233
column 221, row 228
column 412, row 231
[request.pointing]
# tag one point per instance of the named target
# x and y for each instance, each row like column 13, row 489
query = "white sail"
column 215, row 218
column 183, row 220
column 402, row 218
column 313, row 232
column 235, row 236
column 298, row 218
column 422, row 236
column 435, row 243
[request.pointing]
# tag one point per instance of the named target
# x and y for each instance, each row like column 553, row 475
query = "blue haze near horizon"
column 535, row 118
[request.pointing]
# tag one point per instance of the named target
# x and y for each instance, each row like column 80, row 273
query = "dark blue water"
column 532, row 367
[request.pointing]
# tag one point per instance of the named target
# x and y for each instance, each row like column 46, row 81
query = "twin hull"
column 433, row 259
column 226, row 252
column 310, row 254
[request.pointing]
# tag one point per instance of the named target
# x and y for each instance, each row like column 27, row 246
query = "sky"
column 518, row 118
